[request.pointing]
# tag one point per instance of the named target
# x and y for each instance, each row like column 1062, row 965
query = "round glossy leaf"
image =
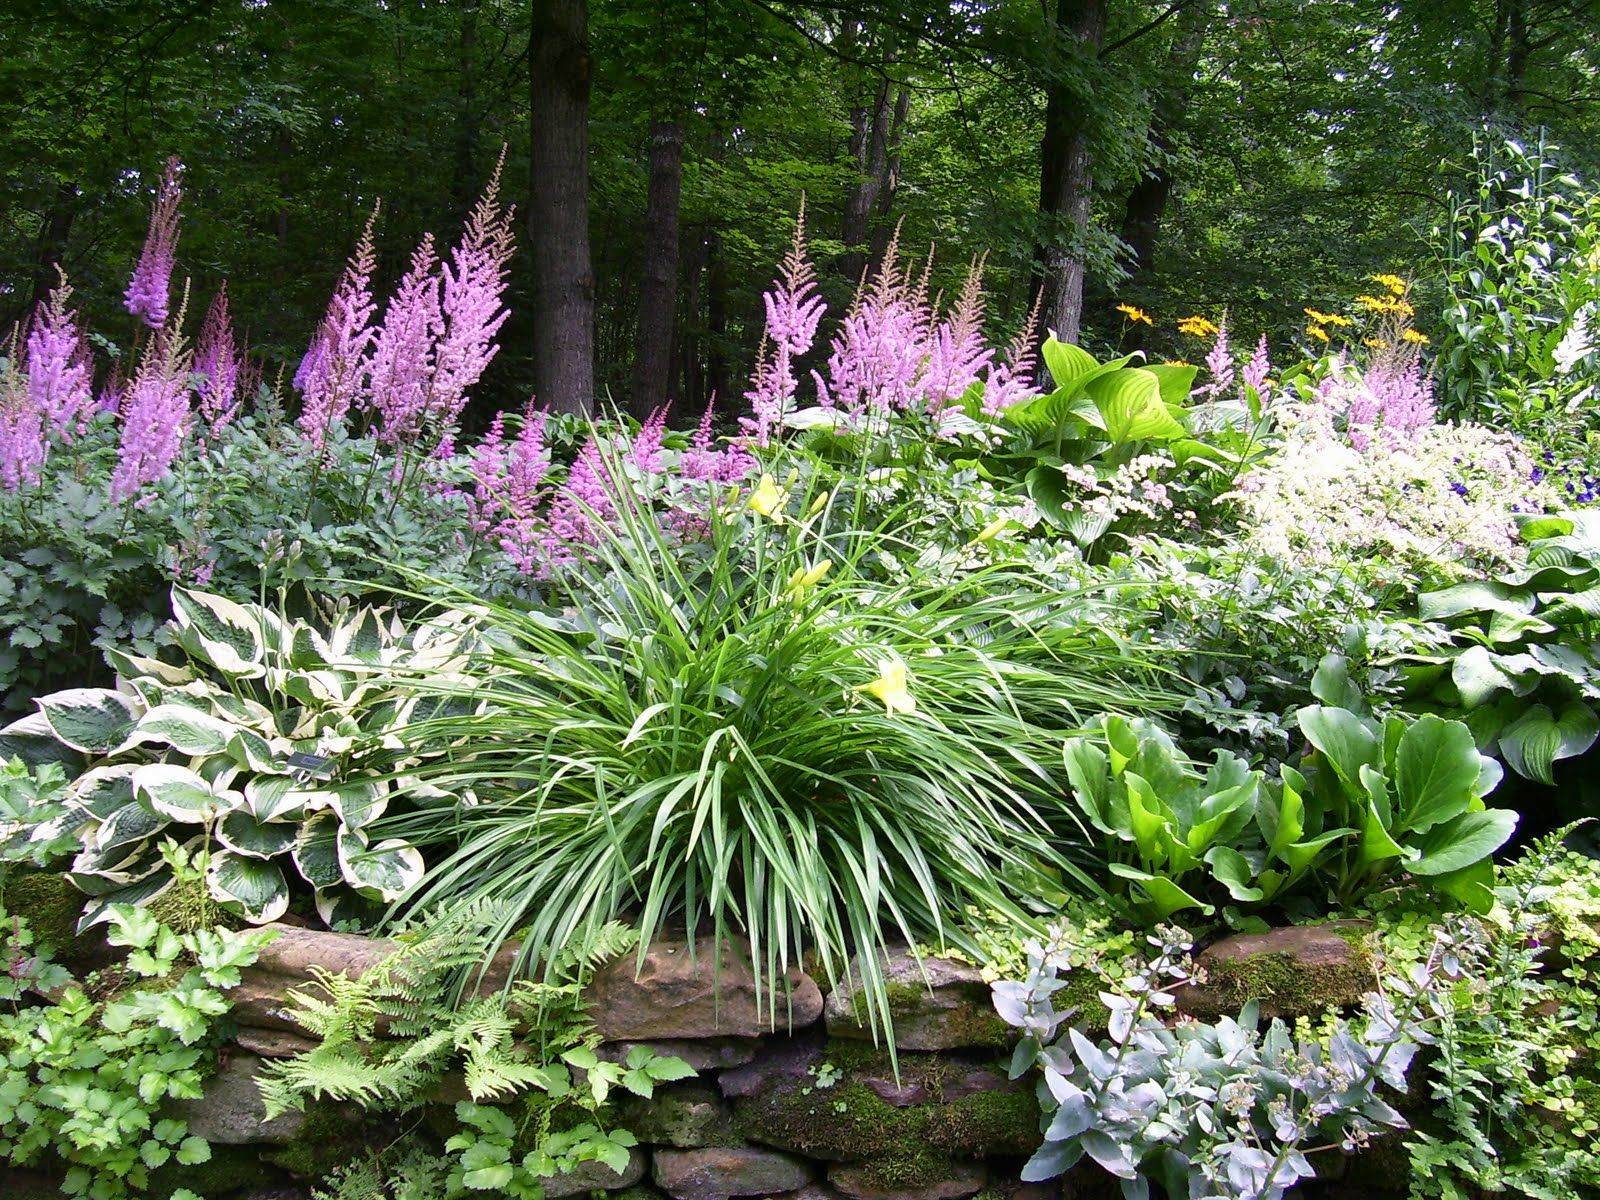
column 251, row 886
column 242, row 833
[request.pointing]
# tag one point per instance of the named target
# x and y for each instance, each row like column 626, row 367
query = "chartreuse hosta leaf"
column 273, row 747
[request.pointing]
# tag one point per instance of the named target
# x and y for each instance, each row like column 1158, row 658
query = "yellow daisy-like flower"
column 1375, row 343
column 1375, row 303
column 1396, row 285
column 1318, row 332
column 1197, row 326
column 1415, row 338
column 767, row 498
column 891, row 687
column 1337, row 320
column 1134, row 314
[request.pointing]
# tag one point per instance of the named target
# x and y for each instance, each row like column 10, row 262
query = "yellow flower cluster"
column 1337, row 320
column 1198, row 327
column 1318, row 332
column 1415, row 338
column 1388, row 305
column 1393, row 283
column 1134, row 313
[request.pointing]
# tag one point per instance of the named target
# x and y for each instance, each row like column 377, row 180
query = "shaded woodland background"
column 1185, row 156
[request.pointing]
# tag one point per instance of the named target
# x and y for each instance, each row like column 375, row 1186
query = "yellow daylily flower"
column 1396, row 285
column 1197, row 326
column 890, row 687
column 1414, row 337
column 1318, row 332
column 804, row 579
column 767, row 498
column 1134, row 313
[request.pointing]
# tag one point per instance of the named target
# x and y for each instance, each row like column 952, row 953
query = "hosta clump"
column 1225, row 1111
column 275, row 742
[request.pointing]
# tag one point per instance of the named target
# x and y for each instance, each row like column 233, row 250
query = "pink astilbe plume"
column 1012, row 379
column 645, row 451
column 403, row 350
column 22, row 433
column 703, row 462
column 521, row 534
column 957, row 354
column 155, row 415
column 333, row 371
column 1255, row 371
column 216, row 365
column 586, row 497
column 472, row 286
column 488, row 468
column 794, row 310
column 1219, row 361
column 59, row 370
column 149, row 289
column 878, row 354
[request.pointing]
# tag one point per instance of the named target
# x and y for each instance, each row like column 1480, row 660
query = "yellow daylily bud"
column 818, row 504
column 767, row 498
column 890, row 687
column 992, row 530
column 804, row 579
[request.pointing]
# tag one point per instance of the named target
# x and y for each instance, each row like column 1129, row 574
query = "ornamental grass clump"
column 743, row 734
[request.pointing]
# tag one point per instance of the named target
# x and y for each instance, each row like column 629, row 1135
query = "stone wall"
column 811, row 1111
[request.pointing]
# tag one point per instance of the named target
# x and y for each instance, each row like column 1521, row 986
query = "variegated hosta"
column 277, row 743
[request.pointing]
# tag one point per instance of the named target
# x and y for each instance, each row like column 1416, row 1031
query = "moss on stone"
column 229, row 1169
column 903, row 1146
column 330, row 1137
column 1284, row 984
column 51, row 906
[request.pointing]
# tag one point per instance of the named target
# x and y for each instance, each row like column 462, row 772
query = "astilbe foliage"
column 149, row 290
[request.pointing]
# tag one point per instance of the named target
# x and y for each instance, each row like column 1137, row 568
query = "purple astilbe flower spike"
column 1220, row 363
column 520, row 533
column 333, row 371
column 23, row 444
column 794, row 310
column 216, row 366
column 700, row 461
column 488, row 468
column 880, row 349
column 58, row 366
column 957, row 355
column 1011, row 381
column 1255, row 371
column 645, row 451
column 155, row 414
column 149, row 290
column 472, row 285
column 403, row 350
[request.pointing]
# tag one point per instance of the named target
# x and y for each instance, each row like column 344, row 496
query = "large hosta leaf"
column 252, row 886
column 187, row 730
column 142, row 891
column 1539, row 738
column 101, row 791
column 94, row 720
column 227, row 634
column 181, row 794
column 316, row 852
column 386, row 871
column 242, row 833
column 1131, row 405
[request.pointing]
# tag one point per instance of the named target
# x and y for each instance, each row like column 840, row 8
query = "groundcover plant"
column 1023, row 732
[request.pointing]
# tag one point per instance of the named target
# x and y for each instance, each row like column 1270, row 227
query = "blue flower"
column 1459, row 488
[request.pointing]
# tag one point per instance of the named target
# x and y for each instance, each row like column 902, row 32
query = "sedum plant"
column 1224, row 1111
column 274, row 744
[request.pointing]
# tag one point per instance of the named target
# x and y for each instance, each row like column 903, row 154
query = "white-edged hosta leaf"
column 251, row 886
column 316, row 852
column 134, row 667
column 94, row 720
column 140, row 892
column 94, row 870
column 128, row 826
column 187, row 730
column 273, row 797
column 101, row 791
column 341, row 906
column 249, row 749
column 31, row 739
column 386, row 871
column 180, row 793
column 227, row 634
column 359, row 802
column 241, row 832
column 362, row 639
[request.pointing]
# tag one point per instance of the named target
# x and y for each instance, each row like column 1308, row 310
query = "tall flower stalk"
column 149, row 290
column 216, row 365
column 155, row 414
column 334, row 369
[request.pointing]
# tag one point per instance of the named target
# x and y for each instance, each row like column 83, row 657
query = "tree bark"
column 1066, row 178
column 873, row 163
column 52, row 249
column 558, row 206
column 467, row 106
column 658, row 276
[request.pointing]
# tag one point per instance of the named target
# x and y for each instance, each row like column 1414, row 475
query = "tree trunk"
column 558, row 206
column 658, row 276
column 1147, row 201
column 1065, row 177
column 52, row 251
column 467, row 105
column 686, row 352
column 873, row 163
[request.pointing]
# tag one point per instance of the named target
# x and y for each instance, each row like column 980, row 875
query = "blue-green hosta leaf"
column 240, row 832
column 226, row 634
column 275, row 797
column 1130, row 404
column 251, row 886
column 1459, row 843
column 1575, row 609
column 1486, row 596
column 386, row 871
column 1436, row 770
column 1539, row 738
column 316, row 852
column 93, row 720
column 101, row 791
column 1478, row 675
column 128, row 826
column 182, row 794
column 187, row 730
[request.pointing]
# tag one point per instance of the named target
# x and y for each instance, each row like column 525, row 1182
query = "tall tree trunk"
column 658, row 276
column 558, row 206
column 1066, row 191
column 1147, row 201
column 873, row 164
column 467, row 106
column 52, row 250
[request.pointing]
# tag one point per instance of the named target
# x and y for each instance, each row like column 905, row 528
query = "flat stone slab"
column 955, row 1182
column 231, row 1112
column 1299, row 970
column 680, row 991
column 720, row 1173
column 594, row 1177
column 934, row 1004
